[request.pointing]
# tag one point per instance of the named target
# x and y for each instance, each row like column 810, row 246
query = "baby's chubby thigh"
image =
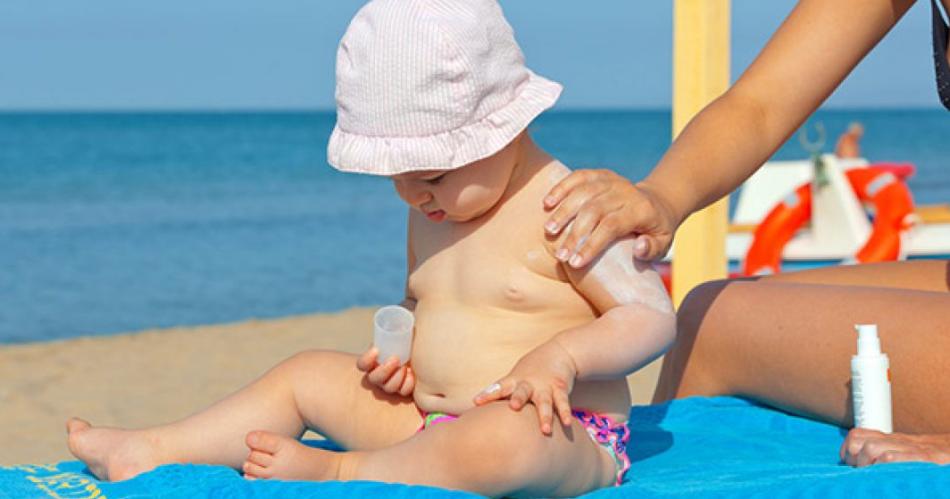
column 335, row 399
column 507, row 445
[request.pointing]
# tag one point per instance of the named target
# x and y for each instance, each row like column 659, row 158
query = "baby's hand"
column 544, row 377
column 389, row 376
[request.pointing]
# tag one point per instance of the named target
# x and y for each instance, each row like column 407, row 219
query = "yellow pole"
column 700, row 74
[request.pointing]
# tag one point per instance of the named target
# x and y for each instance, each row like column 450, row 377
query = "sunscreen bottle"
column 870, row 382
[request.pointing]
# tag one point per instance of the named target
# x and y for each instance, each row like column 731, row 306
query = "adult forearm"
column 619, row 342
column 790, row 78
column 720, row 148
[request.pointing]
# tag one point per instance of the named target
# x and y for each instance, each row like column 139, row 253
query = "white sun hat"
column 430, row 85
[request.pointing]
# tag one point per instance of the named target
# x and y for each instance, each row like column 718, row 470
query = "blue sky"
column 278, row 54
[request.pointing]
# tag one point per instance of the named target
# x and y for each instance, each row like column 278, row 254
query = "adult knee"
column 687, row 369
column 690, row 315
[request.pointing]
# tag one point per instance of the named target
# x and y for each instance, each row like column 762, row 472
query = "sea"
column 115, row 222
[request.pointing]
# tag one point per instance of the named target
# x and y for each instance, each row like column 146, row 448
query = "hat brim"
column 448, row 150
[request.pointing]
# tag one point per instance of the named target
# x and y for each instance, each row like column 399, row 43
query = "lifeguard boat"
column 854, row 212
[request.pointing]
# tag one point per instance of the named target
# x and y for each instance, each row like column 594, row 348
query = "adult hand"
column 595, row 207
column 544, row 377
column 388, row 376
column 867, row 447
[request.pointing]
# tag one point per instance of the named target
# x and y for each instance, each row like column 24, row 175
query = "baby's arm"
column 636, row 325
column 637, row 322
column 387, row 374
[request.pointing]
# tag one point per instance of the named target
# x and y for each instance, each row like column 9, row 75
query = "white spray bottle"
column 870, row 382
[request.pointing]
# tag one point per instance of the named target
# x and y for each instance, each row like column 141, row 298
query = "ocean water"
column 117, row 222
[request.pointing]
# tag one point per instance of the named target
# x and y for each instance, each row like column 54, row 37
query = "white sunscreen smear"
column 392, row 333
column 629, row 280
column 870, row 382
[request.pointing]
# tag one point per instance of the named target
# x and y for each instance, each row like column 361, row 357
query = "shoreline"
column 155, row 376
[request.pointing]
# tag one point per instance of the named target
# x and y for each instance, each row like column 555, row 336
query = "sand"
column 147, row 378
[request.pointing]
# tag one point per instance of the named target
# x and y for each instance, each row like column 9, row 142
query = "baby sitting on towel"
column 516, row 383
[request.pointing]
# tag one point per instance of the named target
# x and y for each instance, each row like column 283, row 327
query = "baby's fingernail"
column 490, row 389
column 551, row 227
column 561, row 254
column 576, row 261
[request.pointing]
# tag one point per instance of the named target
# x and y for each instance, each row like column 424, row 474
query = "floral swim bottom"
column 603, row 430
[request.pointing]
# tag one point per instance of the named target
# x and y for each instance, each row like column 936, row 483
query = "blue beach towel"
column 710, row 447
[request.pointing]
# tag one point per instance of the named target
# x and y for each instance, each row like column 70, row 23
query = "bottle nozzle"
column 868, row 341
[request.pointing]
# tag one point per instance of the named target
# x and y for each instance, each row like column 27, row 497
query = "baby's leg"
column 790, row 344
column 317, row 389
column 490, row 450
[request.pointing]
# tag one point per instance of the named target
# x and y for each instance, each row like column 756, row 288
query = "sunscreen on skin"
column 392, row 333
column 870, row 382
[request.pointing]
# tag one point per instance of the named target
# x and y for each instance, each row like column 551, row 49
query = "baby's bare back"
column 488, row 291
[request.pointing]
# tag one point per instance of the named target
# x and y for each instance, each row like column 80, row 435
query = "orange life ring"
column 892, row 202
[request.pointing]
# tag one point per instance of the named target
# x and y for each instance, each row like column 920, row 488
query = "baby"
column 516, row 382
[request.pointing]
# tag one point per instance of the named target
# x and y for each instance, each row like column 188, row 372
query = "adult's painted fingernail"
column 640, row 246
column 561, row 254
column 551, row 227
column 549, row 200
column 576, row 261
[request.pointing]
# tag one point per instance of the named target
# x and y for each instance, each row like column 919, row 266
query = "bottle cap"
column 868, row 342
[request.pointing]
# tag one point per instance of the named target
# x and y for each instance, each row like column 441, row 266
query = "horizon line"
column 327, row 110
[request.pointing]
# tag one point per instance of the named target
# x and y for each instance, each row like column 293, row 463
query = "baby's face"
column 462, row 194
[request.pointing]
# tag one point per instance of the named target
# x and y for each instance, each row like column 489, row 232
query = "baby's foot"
column 277, row 456
column 111, row 453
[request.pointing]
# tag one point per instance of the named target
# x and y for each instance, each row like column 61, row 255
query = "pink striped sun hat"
column 430, row 85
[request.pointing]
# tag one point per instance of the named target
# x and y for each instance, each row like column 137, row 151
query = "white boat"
column 840, row 224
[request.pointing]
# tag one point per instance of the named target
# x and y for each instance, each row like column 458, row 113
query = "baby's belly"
column 458, row 351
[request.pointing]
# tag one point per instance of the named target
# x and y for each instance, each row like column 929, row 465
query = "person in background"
column 849, row 143
column 784, row 340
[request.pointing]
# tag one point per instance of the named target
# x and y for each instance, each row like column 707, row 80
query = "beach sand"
column 151, row 377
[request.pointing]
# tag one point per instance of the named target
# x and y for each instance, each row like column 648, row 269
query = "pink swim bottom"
column 603, row 430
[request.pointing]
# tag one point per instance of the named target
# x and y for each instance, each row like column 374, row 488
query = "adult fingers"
column 381, row 373
column 409, row 384
column 367, row 361
column 395, row 381
column 650, row 248
column 854, row 442
column 568, row 209
column 593, row 241
column 874, row 447
column 543, row 402
column 496, row 391
column 521, row 395
column 896, row 456
column 562, row 404
column 568, row 184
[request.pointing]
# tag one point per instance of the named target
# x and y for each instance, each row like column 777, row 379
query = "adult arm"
column 813, row 50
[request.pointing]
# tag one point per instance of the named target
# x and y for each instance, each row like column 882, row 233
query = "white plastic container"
column 870, row 382
column 392, row 333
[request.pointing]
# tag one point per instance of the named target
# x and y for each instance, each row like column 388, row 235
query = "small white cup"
column 392, row 333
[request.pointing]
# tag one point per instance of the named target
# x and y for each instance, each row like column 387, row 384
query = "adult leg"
column 321, row 390
column 491, row 450
column 789, row 345
column 923, row 275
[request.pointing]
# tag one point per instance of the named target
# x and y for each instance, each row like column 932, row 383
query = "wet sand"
column 151, row 377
